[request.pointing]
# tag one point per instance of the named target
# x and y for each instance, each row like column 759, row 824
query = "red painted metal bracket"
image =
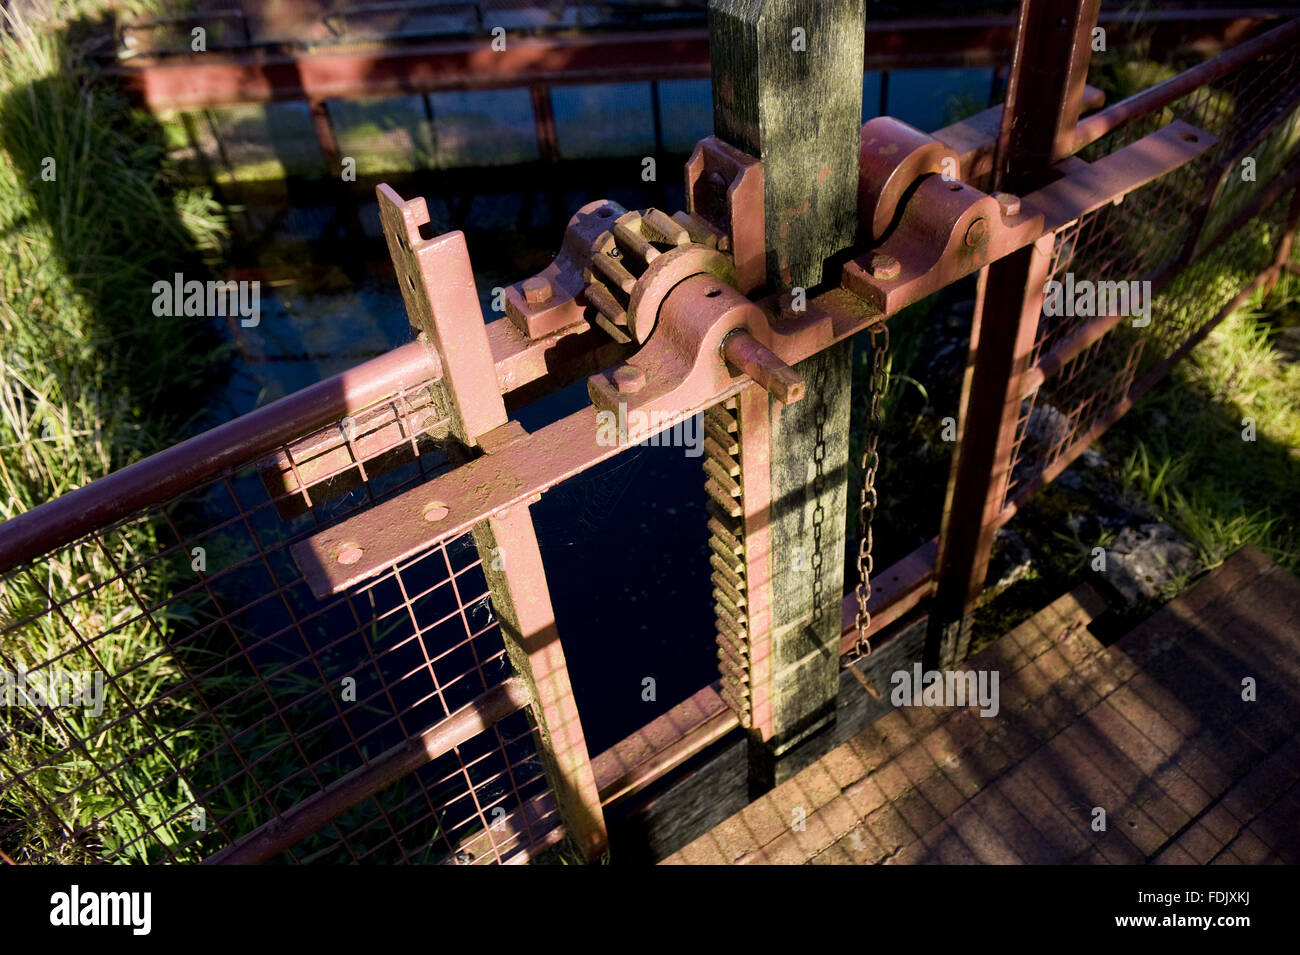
column 724, row 188
column 949, row 230
column 552, row 299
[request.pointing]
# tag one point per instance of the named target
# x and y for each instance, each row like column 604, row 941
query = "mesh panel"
column 176, row 685
column 1153, row 235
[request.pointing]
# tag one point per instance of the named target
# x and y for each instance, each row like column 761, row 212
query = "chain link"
column 819, row 512
column 867, row 499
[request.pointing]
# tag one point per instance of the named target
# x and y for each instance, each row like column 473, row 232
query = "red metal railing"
column 232, row 697
column 245, row 719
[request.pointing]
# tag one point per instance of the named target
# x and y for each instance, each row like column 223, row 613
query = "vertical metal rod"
column 221, row 147
column 548, row 147
column 433, row 129
column 1284, row 242
column 656, row 111
column 1044, row 100
column 329, row 144
column 1045, row 92
column 1008, row 304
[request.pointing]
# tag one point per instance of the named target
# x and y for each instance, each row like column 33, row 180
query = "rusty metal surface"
column 1045, row 93
column 685, row 364
column 665, row 743
column 443, row 306
column 1153, row 98
column 663, row 274
column 733, row 593
column 1086, row 367
column 550, row 301
column 275, row 73
column 891, row 158
column 682, row 371
column 170, row 472
column 975, row 139
column 438, row 288
column 1087, row 372
column 948, row 230
column 724, row 188
column 1086, row 187
column 550, row 455
column 252, row 665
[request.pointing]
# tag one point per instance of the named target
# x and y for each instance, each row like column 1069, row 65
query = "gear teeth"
column 731, row 645
column 724, row 499
column 726, row 543
column 726, row 442
column 729, row 543
column 727, row 572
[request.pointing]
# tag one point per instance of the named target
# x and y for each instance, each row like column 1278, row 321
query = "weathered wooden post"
column 787, row 90
column 1044, row 100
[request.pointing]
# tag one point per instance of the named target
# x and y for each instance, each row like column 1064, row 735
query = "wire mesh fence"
column 173, row 685
column 1162, row 234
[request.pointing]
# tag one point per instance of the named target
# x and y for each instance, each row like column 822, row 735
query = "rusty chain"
column 819, row 512
column 867, row 498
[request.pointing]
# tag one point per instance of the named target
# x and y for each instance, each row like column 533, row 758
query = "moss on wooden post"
column 787, row 88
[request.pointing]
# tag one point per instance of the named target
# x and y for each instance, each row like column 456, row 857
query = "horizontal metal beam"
column 315, row 812
column 1147, row 101
column 282, row 73
column 521, row 365
column 173, row 471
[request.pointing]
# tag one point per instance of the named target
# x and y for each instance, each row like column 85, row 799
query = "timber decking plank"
column 1154, row 730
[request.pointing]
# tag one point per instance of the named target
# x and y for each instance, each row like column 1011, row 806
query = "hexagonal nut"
column 1010, row 204
column 537, row 290
column 628, row 379
column 885, row 267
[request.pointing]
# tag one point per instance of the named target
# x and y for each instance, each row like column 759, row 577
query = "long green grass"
column 90, row 380
column 1185, row 449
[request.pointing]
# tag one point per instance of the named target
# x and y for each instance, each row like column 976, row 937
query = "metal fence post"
column 438, row 288
column 787, row 89
column 1044, row 100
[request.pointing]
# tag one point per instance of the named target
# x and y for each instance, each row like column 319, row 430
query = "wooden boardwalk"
column 1154, row 730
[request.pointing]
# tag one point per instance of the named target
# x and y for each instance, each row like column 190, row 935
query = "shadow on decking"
column 1158, row 731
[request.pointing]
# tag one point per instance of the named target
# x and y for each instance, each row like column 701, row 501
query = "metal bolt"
column 1010, row 204
column 785, row 306
column 435, row 511
column 349, row 554
column 885, row 267
column 629, row 379
column 537, row 290
column 976, row 232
